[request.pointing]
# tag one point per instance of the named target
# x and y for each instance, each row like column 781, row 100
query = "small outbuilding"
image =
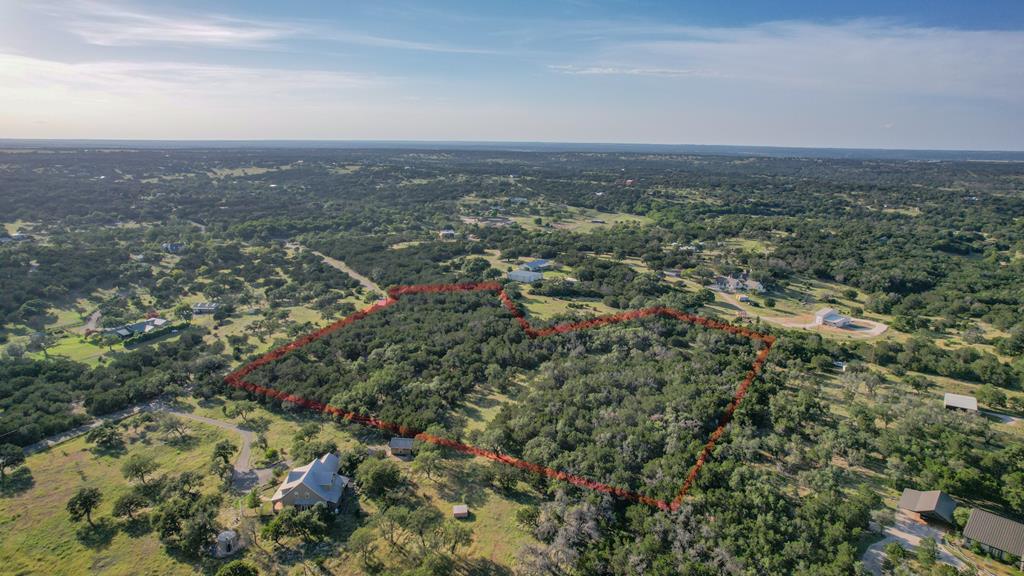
column 1000, row 537
column 460, row 511
column 929, row 505
column 960, row 402
column 830, row 317
column 400, row 446
column 227, row 543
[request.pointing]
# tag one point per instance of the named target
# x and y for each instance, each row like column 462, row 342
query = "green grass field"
column 37, row 537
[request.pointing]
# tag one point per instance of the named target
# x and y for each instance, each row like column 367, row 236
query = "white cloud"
column 861, row 56
column 131, row 79
column 105, row 24
column 625, row 71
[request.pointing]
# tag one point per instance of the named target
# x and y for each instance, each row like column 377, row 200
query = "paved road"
column 1003, row 418
column 242, row 461
column 909, row 534
column 245, row 476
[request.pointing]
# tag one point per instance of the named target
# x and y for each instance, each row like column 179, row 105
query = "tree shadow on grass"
column 457, row 488
column 17, row 482
column 137, row 527
column 186, row 442
column 114, row 451
column 210, row 402
column 97, row 537
column 480, row 567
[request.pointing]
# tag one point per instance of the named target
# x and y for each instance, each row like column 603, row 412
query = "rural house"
column 1000, row 537
column 738, row 284
column 446, row 234
column 536, row 265
column 929, row 505
column 205, row 308
column 313, row 483
column 148, row 325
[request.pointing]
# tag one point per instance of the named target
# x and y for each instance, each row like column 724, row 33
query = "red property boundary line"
column 236, row 380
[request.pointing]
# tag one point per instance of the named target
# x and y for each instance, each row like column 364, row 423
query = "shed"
column 400, row 446
column 460, row 511
column 999, row 536
column 929, row 505
column 960, row 402
column 227, row 543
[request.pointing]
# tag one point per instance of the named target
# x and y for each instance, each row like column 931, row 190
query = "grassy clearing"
column 748, row 245
column 16, row 226
column 77, row 349
column 403, row 245
column 481, row 407
column 37, row 537
column 581, row 220
column 547, row 307
column 244, row 171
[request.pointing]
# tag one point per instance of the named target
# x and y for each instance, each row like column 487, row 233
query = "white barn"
column 960, row 402
column 829, row 317
column 525, row 276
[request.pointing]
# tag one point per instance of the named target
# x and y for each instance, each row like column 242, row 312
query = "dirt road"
column 366, row 282
column 859, row 328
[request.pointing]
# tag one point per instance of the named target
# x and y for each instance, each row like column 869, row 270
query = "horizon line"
column 729, row 149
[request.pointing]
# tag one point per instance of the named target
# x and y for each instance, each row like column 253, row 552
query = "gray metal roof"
column 933, row 502
column 401, row 443
column 995, row 531
column 960, row 401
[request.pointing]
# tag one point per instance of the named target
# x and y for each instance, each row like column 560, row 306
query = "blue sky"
column 894, row 74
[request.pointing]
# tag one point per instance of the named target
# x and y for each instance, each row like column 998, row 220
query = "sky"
column 868, row 74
